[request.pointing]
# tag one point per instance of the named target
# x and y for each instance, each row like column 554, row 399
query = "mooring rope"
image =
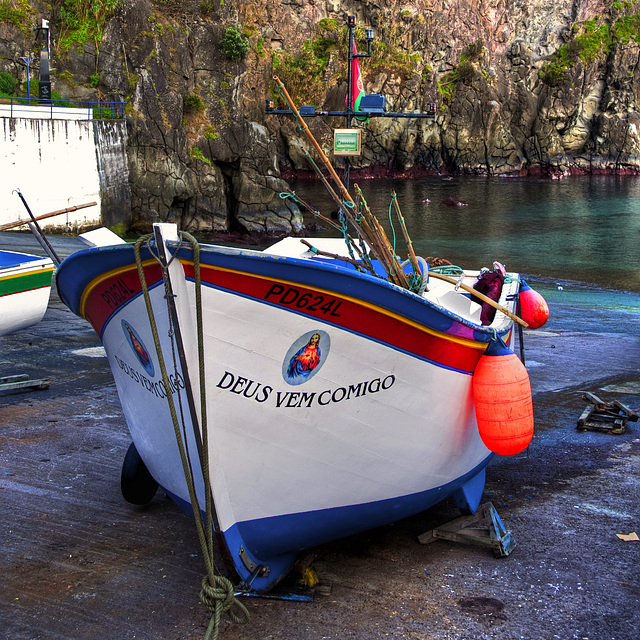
column 217, row 593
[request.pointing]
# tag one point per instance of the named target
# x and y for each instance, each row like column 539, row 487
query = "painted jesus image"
column 139, row 350
column 306, row 359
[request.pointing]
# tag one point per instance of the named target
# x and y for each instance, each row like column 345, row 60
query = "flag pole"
column 352, row 56
column 351, row 23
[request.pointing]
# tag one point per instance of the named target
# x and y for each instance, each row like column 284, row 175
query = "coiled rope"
column 217, row 592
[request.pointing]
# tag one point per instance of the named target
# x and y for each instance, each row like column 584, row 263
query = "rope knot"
column 212, row 595
column 218, row 597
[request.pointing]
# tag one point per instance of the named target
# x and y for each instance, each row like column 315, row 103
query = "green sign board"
column 346, row 142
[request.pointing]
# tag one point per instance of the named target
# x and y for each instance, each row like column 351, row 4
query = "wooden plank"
column 593, row 398
column 586, row 414
column 630, row 413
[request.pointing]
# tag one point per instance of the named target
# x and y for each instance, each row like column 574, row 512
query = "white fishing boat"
column 313, row 399
column 25, row 285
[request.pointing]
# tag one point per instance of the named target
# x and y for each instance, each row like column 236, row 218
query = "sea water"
column 576, row 240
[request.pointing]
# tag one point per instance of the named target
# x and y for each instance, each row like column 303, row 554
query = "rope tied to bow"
column 217, row 593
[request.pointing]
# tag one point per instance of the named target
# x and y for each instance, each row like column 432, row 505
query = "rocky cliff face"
column 520, row 86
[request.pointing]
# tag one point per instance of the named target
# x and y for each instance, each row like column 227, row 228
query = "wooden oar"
column 477, row 294
column 335, row 256
column 18, row 223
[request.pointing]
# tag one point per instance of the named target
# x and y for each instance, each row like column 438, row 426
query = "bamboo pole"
column 493, row 303
column 362, row 237
column 395, row 268
column 19, row 223
column 315, row 212
column 346, row 196
column 412, row 253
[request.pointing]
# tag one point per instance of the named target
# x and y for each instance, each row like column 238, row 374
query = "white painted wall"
column 45, row 112
column 54, row 164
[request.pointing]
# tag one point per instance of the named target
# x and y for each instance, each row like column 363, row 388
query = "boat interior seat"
column 455, row 301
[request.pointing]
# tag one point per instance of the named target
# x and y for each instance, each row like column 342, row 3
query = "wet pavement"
column 79, row 563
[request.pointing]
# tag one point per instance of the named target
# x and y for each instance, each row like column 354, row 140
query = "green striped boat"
column 25, row 285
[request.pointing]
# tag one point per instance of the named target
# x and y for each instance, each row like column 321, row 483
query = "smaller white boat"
column 25, row 285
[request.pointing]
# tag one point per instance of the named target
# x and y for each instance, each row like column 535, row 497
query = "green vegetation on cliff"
column 83, row 20
column 304, row 74
column 592, row 39
column 8, row 84
column 465, row 71
column 16, row 13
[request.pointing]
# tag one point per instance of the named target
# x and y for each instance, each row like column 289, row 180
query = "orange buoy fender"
column 502, row 396
column 533, row 307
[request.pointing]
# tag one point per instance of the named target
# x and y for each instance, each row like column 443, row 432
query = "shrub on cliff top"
column 233, row 44
column 8, row 84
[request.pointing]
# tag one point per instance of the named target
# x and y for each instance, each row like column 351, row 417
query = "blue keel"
column 468, row 496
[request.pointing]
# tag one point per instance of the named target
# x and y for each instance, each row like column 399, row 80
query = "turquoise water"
column 576, row 240
column 583, row 307
column 580, row 228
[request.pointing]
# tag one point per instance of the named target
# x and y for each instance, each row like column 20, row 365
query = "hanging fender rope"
column 217, row 593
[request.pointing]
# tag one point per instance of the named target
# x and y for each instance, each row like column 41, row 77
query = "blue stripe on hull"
column 272, row 536
column 276, row 541
column 79, row 269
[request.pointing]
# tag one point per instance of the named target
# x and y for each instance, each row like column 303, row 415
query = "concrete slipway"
column 78, row 562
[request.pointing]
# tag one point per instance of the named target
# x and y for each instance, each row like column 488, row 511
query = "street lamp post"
column 375, row 109
column 28, row 60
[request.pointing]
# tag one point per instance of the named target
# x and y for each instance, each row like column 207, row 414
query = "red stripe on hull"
column 108, row 295
column 111, row 293
column 349, row 314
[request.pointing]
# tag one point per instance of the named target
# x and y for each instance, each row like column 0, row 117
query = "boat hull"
column 25, row 285
column 336, row 402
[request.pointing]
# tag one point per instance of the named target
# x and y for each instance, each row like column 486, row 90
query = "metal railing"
column 17, row 107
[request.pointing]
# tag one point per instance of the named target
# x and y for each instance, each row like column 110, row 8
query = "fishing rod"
column 37, row 232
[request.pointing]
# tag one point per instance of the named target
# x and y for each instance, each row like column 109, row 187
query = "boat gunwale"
column 79, row 288
column 343, row 271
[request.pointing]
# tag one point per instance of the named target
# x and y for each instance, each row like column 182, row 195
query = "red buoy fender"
column 502, row 396
column 533, row 307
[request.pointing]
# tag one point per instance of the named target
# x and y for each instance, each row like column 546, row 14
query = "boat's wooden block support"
column 484, row 529
column 22, row 381
column 608, row 417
